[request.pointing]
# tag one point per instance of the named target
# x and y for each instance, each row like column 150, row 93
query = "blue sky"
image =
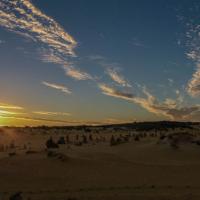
column 93, row 62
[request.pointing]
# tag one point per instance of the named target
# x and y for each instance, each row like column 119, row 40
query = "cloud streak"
column 5, row 112
column 51, row 113
column 12, row 107
column 170, row 108
column 111, row 69
column 115, row 93
column 66, row 122
column 62, row 88
column 77, row 74
column 118, row 78
column 25, row 118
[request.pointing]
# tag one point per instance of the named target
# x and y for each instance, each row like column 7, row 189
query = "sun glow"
column 1, row 121
column 3, row 112
column 5, row 115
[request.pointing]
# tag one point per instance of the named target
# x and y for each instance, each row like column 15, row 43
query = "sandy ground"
column 141, row 170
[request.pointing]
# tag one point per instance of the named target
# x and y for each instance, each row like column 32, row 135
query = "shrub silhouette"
column 137, row 138
column 85, row 141
column 11, row 154
column 61, row 140
column 112, row 141
column 67, row 139
column 50, row 144
column 2, row 148
column 16, row 196
column 90, row 138
column 174, row 144
column 77, row 137
column 12, row 145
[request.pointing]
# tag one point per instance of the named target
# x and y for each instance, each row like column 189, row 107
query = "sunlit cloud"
column 112, row 69
column 64, row 122
column 115, row 93
column 194, row 84
column 170, row 108
column 193, row 53
column 117, row 121
column 62, row 88
column 26, row 118
column 117, row 77
column 77, row 74
column 4, row 112
column 51, row 113
column 22, row 17
column 8, row 106
column 52, row 56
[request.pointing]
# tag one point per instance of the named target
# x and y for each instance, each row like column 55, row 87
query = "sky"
column 72, row 62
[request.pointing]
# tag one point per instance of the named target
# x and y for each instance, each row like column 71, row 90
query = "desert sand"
column 145, row 168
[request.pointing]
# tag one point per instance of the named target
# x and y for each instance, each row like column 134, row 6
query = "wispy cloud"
column 51, row 113
column 22, row 17
column 57, row 87
column 117, row 121
column 171, row 81
column 77, row 74
column 112, row 69
column 12, row 107
column 64, row 122
column 117, row 77
column 193, row 53
column 136, row 42
column 96, row 58
column 26, row 118
column 194, row 84
column 169, row 108
column 5, row 112
column 10, row 110
column 2, row 41
column 115, row 93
